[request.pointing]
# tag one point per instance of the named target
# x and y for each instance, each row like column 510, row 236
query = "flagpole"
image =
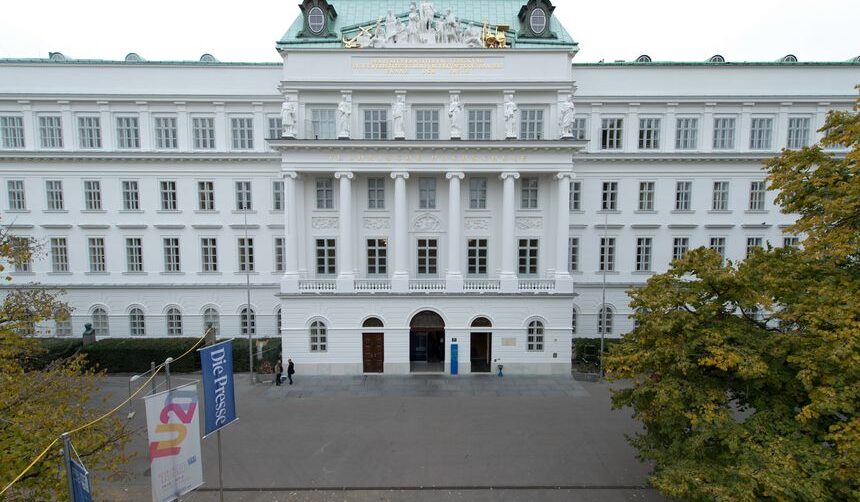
column 220, row 476
column 67, row 460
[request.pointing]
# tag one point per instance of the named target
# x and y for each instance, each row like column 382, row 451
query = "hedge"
column 585, row 352
column 54, row 348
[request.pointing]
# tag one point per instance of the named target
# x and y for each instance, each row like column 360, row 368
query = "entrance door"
column 373, row 345
column 427, row 343
column 481, row 352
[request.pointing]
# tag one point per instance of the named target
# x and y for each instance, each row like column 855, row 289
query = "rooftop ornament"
column 208, row 58
column 791, row 58
column 644, row 58
column 716, row 59
column 133, row 57
column 57, row 56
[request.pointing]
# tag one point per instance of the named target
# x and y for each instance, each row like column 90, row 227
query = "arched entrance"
column 427, row 342
column 373, row 345
column 481, row 345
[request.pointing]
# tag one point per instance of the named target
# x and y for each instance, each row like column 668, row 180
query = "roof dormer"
column 319, row 19
column 535, row 18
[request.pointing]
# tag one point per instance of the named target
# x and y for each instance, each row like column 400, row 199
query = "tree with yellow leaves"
column 746, row 376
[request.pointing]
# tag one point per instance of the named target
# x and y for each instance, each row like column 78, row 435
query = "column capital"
column 289, row 174
column 562, row 176
column 509, row 174
column 344, row 174
column 455, row 174
column 400, row 174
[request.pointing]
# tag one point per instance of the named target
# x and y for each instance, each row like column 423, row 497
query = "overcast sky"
column 677, row 30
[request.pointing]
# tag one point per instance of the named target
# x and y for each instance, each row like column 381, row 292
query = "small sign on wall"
column 509, row 342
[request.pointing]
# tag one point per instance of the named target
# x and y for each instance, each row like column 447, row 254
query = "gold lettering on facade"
column 435, row 158
column 427, row 66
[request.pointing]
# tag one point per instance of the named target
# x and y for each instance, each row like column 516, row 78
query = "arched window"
column 316, row 20
column 174, row 322
column 211, row 318
column 63, row 327
column 482, row 322
column 136, row 322
column 535, row 336
column 372, row 322
column 600, row 320
column 100, row 322
column 318, row 336
column 574, row 321
column 248, row 320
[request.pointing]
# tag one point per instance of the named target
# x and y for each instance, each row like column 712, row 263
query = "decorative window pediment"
column 318, row 18
column 535, row 17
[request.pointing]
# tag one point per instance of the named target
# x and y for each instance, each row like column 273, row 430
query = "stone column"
column 345, row 251
column 290, row 279
column 454, row 277
column 400, row 234
column 508, row 275
column 563, row 280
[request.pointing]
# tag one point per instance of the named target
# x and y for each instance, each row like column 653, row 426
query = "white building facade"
column 397, row 197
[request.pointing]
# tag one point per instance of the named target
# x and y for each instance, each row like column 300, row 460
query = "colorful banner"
column 173, row 424
column 218, row 397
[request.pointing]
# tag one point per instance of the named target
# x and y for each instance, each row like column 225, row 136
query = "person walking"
column 290, row 370
column 279, row 370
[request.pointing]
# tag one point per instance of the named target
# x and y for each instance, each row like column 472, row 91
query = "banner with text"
column 218, row 397
column 173, row 425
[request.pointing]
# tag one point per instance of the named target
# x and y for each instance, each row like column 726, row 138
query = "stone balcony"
column 423, row 286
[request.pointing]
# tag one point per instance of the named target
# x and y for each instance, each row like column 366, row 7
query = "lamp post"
column 245, row 208
column 603, row 292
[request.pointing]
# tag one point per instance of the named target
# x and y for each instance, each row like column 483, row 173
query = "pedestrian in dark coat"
column 279, row 370
column 290, row 370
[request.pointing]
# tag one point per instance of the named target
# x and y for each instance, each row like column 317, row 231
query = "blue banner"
column 81, row 490
column 218, row 396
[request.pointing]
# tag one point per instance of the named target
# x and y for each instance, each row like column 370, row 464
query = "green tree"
column 37, row 405
column 746, row 376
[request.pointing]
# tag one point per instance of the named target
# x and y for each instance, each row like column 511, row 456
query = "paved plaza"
column 415, row 438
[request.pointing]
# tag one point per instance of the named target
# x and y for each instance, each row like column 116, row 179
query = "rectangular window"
column 127, row 133
column 130, row 196
column 377, row 257
column 51, row 131
column 92, row 195
column 134, row 254
column 480, row 124
column 528, row 256
column 325, row 193
column 573, row 254
column 59, row 255
column 575, row 195
column 322, row 123
column 611, row 134
column 171, row 254
column 754, row 243
column 529, row 195
column 375, row 193
column 426, row 124
column 209, row 254
column 680, row 246
column 166, row 134
column 646, row 195
column 17, row 202
column 607, row 254
column 206, row 195
column 687, row 133
column 427, row 193
column 203, row 131
column 610, row 196
column 243, row 133
column 643, row 254
column 24, row 265
column 798, row 132
column 246, row 254
column 683, row 195
column 718, row 244
column 427, row 256
column 531, row 123
column 280, row 254
column 276, row 127
column 761, row 131
column 168, row 196
column 96, row 247
column 89, row 132
column 649, row 134
column 721, row 196
column 12, row 131
column 790, row 242
column 476, row 256
column 580, row 128
column 243, row 196
column 277, row 196
column 724, row 133
column 54, row 194
column 326, row 257
column 376, row 123
column 477, row 193
column 757, row 192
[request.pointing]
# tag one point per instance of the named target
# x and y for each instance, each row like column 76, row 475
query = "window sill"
column 59, row 273
column 575, row 272
column 243, row 211
column 50, row 211
column 246, row 273
column 131, row 211
column 209, row 273
column 168, row 211
column 93, row 211
column 325, row 210
column 756, row 211
column 643, row 272
column 608, row 211
column 530, row 210
column 23, row 211
column 135, row 273
column 577, row 211
column 96, row 273
column 17, row 273
column 200, row 211
column 608, row 272
column 276, row 211
column 376, row 210
column 171, row 273
column 427, row 209
column 719, row 211
column 482, row 210
column 683, row 211
column 645, row 211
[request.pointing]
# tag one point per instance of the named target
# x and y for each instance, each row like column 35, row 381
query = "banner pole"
column 220, row 477
column 152, row 369
column 67, row 460
column 167, row 370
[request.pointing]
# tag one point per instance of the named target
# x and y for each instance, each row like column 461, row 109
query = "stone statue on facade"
column 510, row 109
column 450, row 28
column 392, row 29
column 344, row 113
column 566, row 113
column 288, row 119
column 455, row 109
column 398, row 113
column 427, row 14
column 412, row 25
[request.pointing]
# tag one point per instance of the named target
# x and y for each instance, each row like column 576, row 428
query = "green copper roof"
column 365, row 12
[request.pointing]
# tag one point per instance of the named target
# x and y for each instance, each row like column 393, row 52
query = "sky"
column 667, row 30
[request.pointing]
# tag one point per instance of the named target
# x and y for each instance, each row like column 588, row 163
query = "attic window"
column 537, row 21
column 316, row 20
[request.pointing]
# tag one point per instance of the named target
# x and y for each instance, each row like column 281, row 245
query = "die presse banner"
column 173, row 425
column 216, row 361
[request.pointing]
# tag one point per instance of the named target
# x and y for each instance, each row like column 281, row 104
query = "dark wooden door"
column 373, row 346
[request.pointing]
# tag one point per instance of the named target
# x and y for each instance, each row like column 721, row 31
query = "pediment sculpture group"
column 424, row 26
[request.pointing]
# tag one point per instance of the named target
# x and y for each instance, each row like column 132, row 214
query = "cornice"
column 43, row 156
column 499, row 146
column 149, row 98
column 674, row 157
column 435, row 86
column 738, row 99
